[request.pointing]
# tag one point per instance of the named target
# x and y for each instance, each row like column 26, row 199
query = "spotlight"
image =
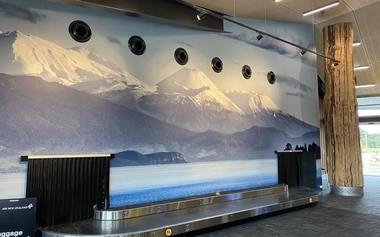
column 259, row 37
column 335, row 63
column 302, row 52
column 201, row 15
column 356, row 44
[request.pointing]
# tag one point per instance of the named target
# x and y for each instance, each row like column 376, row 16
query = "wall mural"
column 186, row 112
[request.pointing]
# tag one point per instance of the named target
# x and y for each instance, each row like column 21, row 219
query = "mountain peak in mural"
column 251, row 102
column 31, row 55
column 48, row 118
column 194, row 83
column 189, row 99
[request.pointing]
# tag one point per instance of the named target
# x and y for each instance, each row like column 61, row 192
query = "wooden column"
column 344, row 160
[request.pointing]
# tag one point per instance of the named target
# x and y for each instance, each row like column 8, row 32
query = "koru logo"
column 11, row 233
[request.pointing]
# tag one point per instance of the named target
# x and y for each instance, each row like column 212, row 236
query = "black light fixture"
column 271, row 77
column 80, row 31
column 181, row 56
column 302, row 52
column 259, row 37
column 246, row 71
column 335, row 63
column 217, row 65
column 137, row 45
column 201, row 15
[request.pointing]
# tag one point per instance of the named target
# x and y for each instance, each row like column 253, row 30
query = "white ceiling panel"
column 356, row 4
column 301, row 6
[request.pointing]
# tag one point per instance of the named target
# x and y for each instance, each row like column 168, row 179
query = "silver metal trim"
column 201, row 223
column 68, row 156
column 119, row 214
column 285, row 151
column 347, row 191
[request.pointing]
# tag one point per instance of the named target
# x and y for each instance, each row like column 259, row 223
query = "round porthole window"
column 246, row 71
column 80, row 31
column 137, row 45
column 181, row 56
column 217, row 65
column 271, row 77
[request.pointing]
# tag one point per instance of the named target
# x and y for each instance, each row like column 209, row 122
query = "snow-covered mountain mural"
column 184, row 127
column 189, row 99
column 36, row 56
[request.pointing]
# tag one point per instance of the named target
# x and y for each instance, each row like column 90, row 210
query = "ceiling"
column 364, row 15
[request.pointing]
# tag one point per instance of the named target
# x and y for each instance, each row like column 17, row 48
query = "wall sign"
column 18, row 217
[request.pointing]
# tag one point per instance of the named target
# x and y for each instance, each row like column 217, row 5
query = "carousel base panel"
column 186, row 216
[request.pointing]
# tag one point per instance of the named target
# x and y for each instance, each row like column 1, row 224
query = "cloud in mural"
column 292, row 82
column 165, row 63
column 276, row 45
column 295, row 94
column 114, row 40
column 184, row 43
column 16, row 11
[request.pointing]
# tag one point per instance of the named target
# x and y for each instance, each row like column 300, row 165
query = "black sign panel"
column 18, row 217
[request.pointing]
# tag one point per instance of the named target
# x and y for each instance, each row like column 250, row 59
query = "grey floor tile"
column 334, row 216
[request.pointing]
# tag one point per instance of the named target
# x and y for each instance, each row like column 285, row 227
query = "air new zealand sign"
column 18, row 217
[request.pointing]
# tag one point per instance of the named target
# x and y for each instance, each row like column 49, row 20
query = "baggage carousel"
column 179, row 217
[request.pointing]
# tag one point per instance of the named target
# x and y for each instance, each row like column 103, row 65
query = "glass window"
column 369, row 111
column 370, row 145
column 369, row 106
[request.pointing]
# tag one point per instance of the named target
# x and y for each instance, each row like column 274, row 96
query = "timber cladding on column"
column 344, row 161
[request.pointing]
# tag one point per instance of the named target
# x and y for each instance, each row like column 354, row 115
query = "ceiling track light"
column 365, row 86
column 259, row 37
column 356, row 44
column 361, row 67
column 335, row 63
column 201, row 15
column 262, row 33
column 302, row 52
column 319, row 9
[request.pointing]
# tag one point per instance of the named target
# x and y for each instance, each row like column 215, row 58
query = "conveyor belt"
column 189, row 219
column 174, row 205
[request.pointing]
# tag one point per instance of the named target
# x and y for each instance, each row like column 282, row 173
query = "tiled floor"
column 334, row 216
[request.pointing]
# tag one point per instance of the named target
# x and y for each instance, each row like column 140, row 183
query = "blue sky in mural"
column 294, row 87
